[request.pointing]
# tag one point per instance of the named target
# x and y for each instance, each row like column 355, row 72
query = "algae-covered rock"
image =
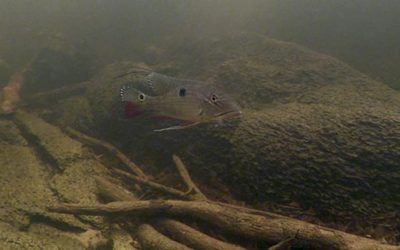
column 10, row 134
column 25, row 190
column 41, row 166
column 17, row 196
column 38, row 237
column 77, row 185
column 24, row 196
column 62, row 149
column 75, row 167
column 309, row 154
column 74, row 186
column 76, row 112
column 314, row 131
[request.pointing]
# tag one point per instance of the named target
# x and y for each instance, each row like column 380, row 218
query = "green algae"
column 38, row 237
column 30, row 184
column 9, row 134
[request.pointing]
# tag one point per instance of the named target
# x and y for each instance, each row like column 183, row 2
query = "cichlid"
column 192, row 102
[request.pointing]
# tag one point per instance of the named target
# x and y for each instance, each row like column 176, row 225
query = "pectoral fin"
column 177, row 127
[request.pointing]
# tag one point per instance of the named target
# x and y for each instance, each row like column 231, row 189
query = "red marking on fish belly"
column 132, row 110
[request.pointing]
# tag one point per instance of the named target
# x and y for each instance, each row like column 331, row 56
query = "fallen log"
column 192, row 237
column 230, row 220
column 112, row 192
column 153, row 185
column 150, row 239
column 176, row 230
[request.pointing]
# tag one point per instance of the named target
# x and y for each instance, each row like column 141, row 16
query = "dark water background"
column 363, row 33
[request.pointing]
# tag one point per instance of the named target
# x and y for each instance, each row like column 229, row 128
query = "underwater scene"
column 212, row 124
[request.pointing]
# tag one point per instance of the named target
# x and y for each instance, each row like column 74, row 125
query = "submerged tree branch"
column 141, row 178
column 112, row 192
column 187, row 179
column 153, row 185
column 174, row 229
column 192, row 237
column 150, row 238
column 230, row 220
column 245, row 222
column 117, row 153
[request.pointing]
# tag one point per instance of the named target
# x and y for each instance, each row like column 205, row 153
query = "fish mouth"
column 229, row 115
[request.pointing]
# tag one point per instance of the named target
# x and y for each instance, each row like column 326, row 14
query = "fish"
column 189, row 101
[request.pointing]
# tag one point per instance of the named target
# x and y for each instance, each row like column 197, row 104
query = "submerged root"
column 150, row 238
column 250, row 224
column 192, row 237
column 192, row 188
column 113, row 150
column 246, row 225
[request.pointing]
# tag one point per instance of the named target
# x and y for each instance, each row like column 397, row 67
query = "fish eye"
column 141, row 97
column 214, row 98
column 182, row 92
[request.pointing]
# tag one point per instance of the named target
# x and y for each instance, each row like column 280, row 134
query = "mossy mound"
column 310, row 155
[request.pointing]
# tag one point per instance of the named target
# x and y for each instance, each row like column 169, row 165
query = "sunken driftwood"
column 279, row 231
column 192, row 188
column 192, row 237
column 230, row 220
column 174, row 229
column 150, row 239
